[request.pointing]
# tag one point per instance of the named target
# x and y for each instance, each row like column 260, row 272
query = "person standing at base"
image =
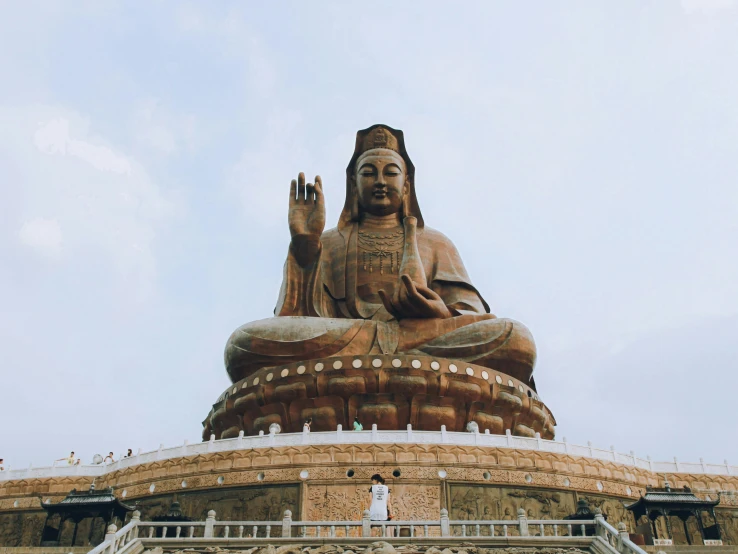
column 357, row 424
column 380, row 507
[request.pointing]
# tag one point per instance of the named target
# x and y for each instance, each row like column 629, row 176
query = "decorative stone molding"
column 331, row 463
column 390, row 391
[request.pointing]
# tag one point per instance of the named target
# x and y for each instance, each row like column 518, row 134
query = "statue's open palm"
column 307, row 208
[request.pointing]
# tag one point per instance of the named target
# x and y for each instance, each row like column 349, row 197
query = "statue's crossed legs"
column 505, row 345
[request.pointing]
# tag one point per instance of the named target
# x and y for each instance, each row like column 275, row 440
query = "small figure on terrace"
column 357, row 424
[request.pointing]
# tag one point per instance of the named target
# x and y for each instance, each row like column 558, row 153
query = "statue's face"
column 380, row 181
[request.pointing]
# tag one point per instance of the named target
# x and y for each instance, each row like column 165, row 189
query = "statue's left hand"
column 412, row 300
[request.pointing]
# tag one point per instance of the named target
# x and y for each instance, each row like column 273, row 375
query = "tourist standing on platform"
column 357, row 424
column 129, row 453
column 109, row 458
column 69, row 459
column 381, row 506
column 306, row 426
column 2, row 465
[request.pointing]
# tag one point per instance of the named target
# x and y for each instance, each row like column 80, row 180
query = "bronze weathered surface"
column 389, row 391
column 380, row 283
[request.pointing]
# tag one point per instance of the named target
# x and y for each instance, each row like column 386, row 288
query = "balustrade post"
column 287, row 524
column 600, row 530
column 633, row 455
column 366, row 524
column 566, row 445
column 508, row 436
column 727, row 467
column 704, row 468
column 110, row 537
column 445, row 525
column 538, row 441
column 522, row 522
column 374, row 432
column 622, row 536
column 135, row 519
column 209, row 525
column 409, row 432
column 211, row 442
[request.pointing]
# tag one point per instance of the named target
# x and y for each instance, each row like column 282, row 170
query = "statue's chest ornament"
column 382, row 246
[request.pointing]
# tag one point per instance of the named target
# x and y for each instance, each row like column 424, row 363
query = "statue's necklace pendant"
column 381, row 246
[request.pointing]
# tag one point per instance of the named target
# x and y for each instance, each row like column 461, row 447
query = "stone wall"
column 330, row 482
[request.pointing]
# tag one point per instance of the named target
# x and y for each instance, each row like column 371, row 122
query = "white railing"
column 118, row 541
column 150, row 534
column 374, row 436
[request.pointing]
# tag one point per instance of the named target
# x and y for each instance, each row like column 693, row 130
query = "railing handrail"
column 515, row 521
column 373, row 436
column 620, row 536
column 175, row 523
column 120, row 541
column 111, row 539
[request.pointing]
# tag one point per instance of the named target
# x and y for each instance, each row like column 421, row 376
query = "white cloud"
column 53, row 138
column 235, row 37
column 706, row 6
column 262, row 175
column 42, row 235
column 156, row 128
column 104, row 200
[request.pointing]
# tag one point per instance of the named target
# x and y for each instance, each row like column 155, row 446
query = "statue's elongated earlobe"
column 354, row 204
column 406, row 200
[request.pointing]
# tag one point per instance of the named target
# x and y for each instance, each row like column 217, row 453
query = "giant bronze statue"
column 377, row 318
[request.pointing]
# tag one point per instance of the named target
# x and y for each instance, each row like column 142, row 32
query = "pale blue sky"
column 583, row 156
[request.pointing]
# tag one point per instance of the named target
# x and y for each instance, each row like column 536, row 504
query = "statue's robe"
column 320, row 314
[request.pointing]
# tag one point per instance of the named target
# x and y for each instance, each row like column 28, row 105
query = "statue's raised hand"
column 306, row 218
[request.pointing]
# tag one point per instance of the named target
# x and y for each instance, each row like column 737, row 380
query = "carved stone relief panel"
column 728, row 520
column 21, row 528
column 467, row 502
column 347, row 502
column 257, row 503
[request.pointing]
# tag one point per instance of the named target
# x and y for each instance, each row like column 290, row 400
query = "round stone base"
column 389, row 391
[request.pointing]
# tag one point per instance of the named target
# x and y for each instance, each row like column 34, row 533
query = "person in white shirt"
column 381, row 506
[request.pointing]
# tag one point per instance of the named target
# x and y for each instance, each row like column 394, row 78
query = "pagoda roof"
column 91, row 503
column 671, row 500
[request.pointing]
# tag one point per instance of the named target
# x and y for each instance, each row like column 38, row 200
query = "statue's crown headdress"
column 379, row 137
